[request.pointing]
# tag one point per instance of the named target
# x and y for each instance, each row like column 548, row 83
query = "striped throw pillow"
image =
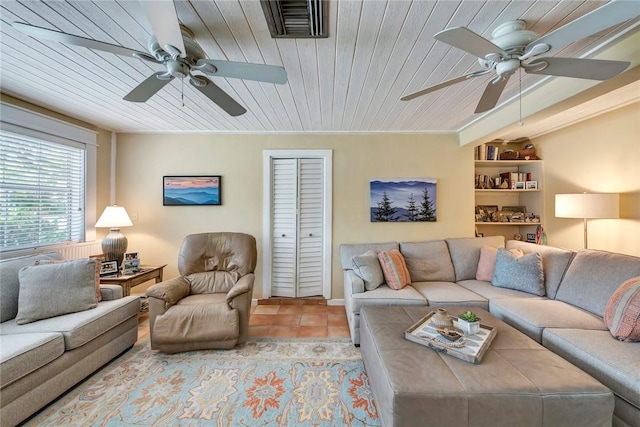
column 394, row 269
column 622, row 314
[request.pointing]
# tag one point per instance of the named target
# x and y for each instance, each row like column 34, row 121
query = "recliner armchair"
column 208, row 306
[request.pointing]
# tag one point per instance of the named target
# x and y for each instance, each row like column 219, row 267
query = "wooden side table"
column 128, row 281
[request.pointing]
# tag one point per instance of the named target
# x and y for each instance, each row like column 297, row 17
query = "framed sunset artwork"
column 201, row 190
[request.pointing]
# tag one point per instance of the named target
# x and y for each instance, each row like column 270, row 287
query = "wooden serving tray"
column 468, row 348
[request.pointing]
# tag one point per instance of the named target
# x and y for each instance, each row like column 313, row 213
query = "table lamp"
column 587, row 206
column 114, row 245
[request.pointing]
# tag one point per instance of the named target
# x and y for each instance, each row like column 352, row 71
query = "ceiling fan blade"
column 164, row 22
column 148, row 88
column 594, row 69
column 217, row 95
column 491, row 95
column 608, row 15
column 465, row 39
column 443, row 85
column 58, row 36
column 243, row 70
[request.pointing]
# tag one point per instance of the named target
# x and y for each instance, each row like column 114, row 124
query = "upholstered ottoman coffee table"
column 518, row 383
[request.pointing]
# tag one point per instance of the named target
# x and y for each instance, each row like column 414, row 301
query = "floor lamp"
column 588, row 206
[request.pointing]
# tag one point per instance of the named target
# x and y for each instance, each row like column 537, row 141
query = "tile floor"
column 286, row 321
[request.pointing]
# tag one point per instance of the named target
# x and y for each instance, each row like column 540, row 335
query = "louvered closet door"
column 284, row 223
column 310, row 182
column 296, row 261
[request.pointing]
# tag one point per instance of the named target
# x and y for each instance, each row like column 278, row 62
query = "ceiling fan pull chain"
column 520, row 122
column 182, row 91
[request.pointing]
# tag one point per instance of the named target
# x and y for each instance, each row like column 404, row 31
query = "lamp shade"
column 114, row 217
column 586, row 205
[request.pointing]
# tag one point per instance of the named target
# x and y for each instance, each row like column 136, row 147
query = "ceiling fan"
column 513, row 47
column 173, row 46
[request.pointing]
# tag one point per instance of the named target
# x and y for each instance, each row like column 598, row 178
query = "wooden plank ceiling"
column 352, row 81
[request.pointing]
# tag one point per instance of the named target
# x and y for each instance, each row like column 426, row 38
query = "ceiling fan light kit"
column 512, row 46
column 174, row 46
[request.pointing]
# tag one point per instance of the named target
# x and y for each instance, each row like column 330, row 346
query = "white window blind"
column 42, row 192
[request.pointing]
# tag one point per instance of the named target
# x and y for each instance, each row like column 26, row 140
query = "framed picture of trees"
column 403, row 200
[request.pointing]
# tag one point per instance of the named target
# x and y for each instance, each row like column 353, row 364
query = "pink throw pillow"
column 487, row 262
column 394, row 269
column 622, row 313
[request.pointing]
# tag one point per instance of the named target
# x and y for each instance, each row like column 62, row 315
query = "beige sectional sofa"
column 568, row 319
column 41, row 360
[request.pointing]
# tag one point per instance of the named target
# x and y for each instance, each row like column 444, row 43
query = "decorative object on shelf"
column 192, row 190
column 522, row 209
column 531, row 185
column 441, row 319
column 517, row 236
column 531, row 237
column 403, row 200
column 469, row 323
column 541, row 236
column 114, row 245
column 588, row 206
column 487, row 213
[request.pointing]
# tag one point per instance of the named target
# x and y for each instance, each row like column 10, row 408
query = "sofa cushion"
column 367, row 267
column 465, row 253
column 21, row 354
column 56, row 289
column 394, row 269
column 10, row 284
column 348, row 251
column 490, row 292
column 448, row 294
column 522, row 273
column 554, row 262
column 384, row 296
column 532, row 316
column 428, row 261
column 83, row 326
column 615, row 364
column 593, row 276
column 622, row 313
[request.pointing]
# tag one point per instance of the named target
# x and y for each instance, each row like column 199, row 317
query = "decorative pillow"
column 522, row 273
column 487, row 262
column 56, row 289
column 98, row 268
column 367, row 267
column 394, row 269
column 622, row 314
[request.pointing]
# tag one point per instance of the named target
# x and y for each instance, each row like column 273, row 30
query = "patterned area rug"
column 268, row 382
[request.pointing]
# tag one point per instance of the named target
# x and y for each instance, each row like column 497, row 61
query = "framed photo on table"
column 109, row 268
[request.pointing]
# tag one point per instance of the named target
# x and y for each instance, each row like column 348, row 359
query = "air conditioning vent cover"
column 296, row 18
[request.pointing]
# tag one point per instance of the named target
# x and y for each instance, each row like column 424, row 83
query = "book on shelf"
column 486, row 152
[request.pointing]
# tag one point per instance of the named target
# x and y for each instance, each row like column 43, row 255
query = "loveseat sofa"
column 42, row 359
column 566, row 317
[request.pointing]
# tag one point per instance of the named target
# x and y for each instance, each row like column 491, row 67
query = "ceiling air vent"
column 296, row 18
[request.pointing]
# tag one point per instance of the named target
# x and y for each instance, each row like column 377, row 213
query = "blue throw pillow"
column 522, row 273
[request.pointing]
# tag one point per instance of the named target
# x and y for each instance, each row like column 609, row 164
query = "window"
column 47, row 181
column 41, row 192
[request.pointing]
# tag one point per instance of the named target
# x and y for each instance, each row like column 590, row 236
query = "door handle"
column 283, row 235
column 310, row 234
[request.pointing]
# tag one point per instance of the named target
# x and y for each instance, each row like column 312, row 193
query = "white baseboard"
column 335, row 301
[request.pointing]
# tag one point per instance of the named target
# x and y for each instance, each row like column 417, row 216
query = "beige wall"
column 599, row 155
column 143, row 159
column 103, row 139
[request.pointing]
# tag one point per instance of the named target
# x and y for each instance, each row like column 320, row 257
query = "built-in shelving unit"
column 488, row 174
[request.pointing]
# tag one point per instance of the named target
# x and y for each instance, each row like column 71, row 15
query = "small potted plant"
column 469, row 323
